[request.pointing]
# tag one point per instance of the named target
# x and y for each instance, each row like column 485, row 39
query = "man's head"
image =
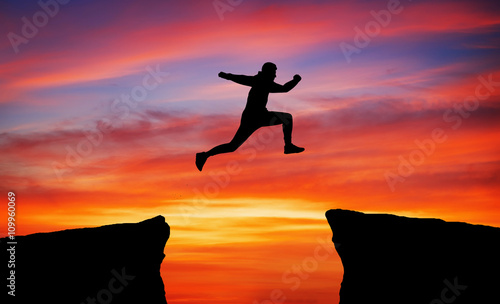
column 269, row 70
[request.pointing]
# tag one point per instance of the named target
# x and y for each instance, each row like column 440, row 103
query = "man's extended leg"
column 285, row 119
column 239, row 138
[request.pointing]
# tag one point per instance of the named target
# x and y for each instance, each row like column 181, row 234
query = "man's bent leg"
column 286, row 120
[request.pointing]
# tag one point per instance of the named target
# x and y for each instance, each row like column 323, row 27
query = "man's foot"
column 201, row 158
column 291, row 148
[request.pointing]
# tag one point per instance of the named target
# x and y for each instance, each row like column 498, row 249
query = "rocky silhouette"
column 110, row 264
column 395, row 259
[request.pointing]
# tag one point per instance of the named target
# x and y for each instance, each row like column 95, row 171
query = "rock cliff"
column 110, row 264
column 395, row 259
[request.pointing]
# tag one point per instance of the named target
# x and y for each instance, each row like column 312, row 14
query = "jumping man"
column 255, row 114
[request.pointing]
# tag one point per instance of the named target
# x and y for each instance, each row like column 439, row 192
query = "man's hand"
column 223, row 75
column 297, row 77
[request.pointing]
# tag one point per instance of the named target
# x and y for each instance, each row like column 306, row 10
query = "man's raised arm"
column 278, row 88
column 240, row 79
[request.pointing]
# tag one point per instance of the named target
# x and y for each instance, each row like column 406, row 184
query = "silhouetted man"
column 256, row 114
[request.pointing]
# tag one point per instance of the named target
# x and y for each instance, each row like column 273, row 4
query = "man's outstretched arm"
column 278, row 88
column 240, row 79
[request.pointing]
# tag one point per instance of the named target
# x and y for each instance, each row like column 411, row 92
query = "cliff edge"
column 395, row 259
column 116, row 264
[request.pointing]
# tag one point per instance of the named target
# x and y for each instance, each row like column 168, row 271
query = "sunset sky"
column 104, row 105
